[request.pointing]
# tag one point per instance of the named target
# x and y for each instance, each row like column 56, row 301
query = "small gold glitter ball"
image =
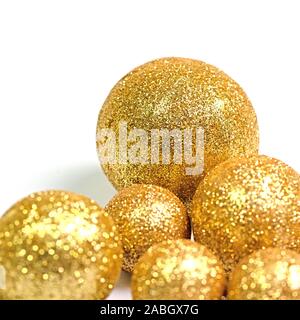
column 146, row 215
column 171, row 94
column 178, row 270
column 270, row 274
column 58, row 245
column 247, row 204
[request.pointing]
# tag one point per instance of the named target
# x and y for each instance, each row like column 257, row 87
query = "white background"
column 59, row 59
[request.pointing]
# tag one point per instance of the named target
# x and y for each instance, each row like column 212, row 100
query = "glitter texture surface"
column 146, row 215
column 58, row 245
column 178, row 93
column 178, row 270
column 270, row 274
column 245, row 205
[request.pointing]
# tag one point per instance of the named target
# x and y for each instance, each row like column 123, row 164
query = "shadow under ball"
column 178, row 93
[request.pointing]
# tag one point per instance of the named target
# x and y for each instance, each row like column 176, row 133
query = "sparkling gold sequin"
column 146, row 215
column 58, row 245
column 178, row 93
column 245, row 205
column 270, row 274
column 178, row 270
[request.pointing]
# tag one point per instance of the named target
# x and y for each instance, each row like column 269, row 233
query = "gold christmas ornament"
column 58, row 245
column 270, row 274
column 247, row 204
column 165, row 118
column 178, row 270
column 146, row 215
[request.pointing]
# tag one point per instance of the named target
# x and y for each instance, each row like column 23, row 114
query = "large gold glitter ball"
column 178, row 270
column 146, row 215
column 270, row 274
column 244, row 205
column 170, row 121
column 58, row 245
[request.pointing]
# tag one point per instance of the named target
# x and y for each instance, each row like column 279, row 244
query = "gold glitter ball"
column 146, row 215
column 58, row 245
column 149, row 112
column 247, row 204
column 178, row 270
column 270, row 274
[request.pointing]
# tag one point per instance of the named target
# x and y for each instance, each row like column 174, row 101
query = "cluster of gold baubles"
column 243, row 208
